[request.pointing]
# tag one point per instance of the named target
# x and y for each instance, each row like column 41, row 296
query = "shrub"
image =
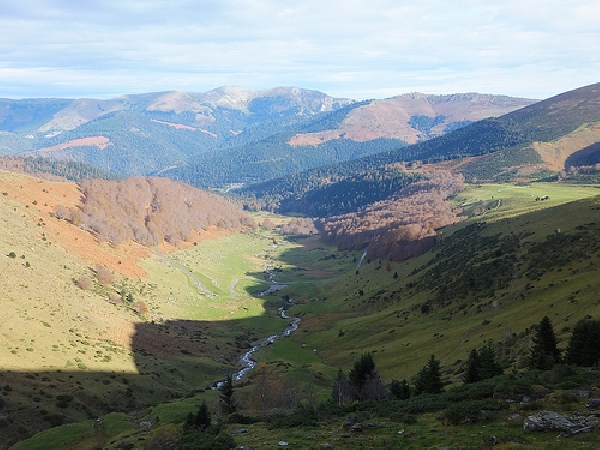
column 84, row 283
column 55, row 420
column 472, row 411
column 104, row 275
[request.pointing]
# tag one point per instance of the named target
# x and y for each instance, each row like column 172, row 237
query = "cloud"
column 354, row 48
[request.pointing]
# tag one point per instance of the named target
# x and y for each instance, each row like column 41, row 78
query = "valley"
column 330, row 290
column 345, row 311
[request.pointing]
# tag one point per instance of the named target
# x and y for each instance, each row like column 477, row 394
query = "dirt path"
column 199, row 283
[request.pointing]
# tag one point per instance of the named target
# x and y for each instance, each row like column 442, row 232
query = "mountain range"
column 232, row 134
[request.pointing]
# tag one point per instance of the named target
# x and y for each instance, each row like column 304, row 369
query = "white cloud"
column 355, row 48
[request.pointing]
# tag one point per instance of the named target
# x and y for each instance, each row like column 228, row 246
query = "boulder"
column 548, row 421
column 349, row 422
column 357, row 428
column 552, row 421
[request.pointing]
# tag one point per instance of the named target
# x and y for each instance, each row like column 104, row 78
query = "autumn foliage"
column 149, row 210
column 401, row 226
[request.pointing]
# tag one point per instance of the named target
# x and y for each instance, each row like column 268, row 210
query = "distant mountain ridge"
column 528, row 143
column 214, row 138
column 415, row 117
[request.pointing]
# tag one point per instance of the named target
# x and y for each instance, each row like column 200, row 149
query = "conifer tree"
column 488, row 366
column 584, row 347
column 544, row 353
column 365, row 380
column 228, row 403
column 429, row 379
column 400, row 389
column 481, row 365
column 471, row 374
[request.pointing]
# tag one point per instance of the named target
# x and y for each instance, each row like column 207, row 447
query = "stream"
column 246, row 359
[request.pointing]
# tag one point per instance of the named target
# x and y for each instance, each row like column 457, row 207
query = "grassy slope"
column 391, row 323
column 326, row 292
column 58, row 339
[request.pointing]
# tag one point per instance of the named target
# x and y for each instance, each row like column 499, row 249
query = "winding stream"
column 247, row 362
column 246, row 359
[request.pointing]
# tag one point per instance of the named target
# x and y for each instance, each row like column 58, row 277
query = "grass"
column 338, row 321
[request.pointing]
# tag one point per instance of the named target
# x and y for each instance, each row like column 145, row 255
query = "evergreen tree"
column 429, row 379
column 365, row 380
column 400, row 389
column 481, row 365
column 201, row 420
column 488, row 366
column 544, row 353
column 584, row 347
column 228, row 403
column 363, row 368
column 472, row 365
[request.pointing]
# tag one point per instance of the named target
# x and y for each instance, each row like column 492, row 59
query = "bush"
column 104, row 275
column 472, row 411
column 84, row 283
column 55, row 420
column 301, row 417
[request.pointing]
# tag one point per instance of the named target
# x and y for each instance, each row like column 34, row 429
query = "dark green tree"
column 365, row 380
column 472, row 366
column 488, row 366
column 429, row 379
column 544, row 353
column 227, row 400
column 199, row 421
column 400, row 389
column 584, row 347
column 481, row 365
column 363, row 368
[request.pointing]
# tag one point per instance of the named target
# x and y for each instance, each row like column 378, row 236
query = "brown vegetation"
column 104, row 275
column 149, row 211
column 84, row 283
column 400, row 227
column 389, row 118
column 556, row 153
column 97, row 141
column 299, row 227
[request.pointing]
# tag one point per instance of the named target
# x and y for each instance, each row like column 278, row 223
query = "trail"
column 178, row 266
column 232, row 286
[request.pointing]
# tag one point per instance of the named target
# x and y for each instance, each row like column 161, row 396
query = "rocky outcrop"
column 552, row 421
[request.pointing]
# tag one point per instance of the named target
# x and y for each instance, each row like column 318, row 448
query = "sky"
column 358, row 49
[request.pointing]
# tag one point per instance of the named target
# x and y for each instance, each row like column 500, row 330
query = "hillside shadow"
column 587, row 156
column 174, row 359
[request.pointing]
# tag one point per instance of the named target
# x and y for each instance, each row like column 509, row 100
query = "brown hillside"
column 22, row 191
column 389, row 118
column 98, row 141
column 555, row 153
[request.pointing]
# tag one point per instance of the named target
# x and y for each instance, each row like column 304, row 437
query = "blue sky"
column 352, row 48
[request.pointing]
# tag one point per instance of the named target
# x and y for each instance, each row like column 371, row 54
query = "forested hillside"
column 504, row 145
column 231, row 135
column 270, row 158
column 401, row 226
column 149, row 211
column 59, row 169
